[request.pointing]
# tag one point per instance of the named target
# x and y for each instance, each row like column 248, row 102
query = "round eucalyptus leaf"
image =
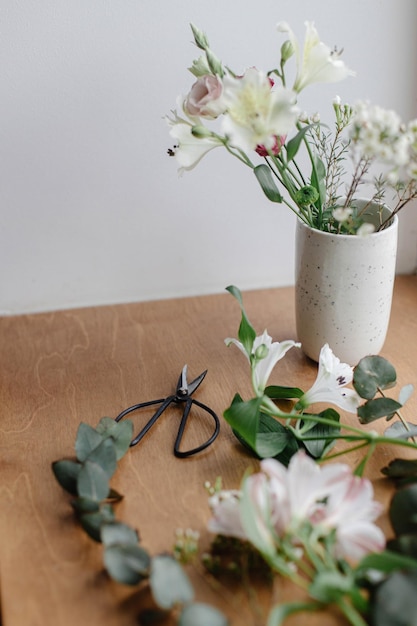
column 405, row 393
column 377, row 408
column 93, row 521
column 104, row 455
column 83, row 505
column 398, row 430
column 66, row 472
column 92, row 482
column 394, row 602
column 120, row 432
column 403, row 511
column 371, row 373
column 118, row 533
column 169, row 583
column 87, row 439
column 201, row 614
column 126, row 564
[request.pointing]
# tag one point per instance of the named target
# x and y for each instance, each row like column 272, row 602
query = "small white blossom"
column 265, row 355
column 342, row 214
column 318, row 63
column 365, row 229
column 330, row 384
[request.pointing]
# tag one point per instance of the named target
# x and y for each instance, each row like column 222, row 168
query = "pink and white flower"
column 280, row 501
column 205, row 98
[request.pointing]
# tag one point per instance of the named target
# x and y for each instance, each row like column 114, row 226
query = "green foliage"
column 267, row 183
column 201, row 614
column 126, row 561
column 371, row 374
column 246, row 331
column 169, row 583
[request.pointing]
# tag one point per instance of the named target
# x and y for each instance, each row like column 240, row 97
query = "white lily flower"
column 256, row 112
column 189, row 149
column 318, row 64
column 262, row 366
column 332, row 377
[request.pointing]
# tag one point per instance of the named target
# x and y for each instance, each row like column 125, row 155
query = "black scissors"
column 182, row 395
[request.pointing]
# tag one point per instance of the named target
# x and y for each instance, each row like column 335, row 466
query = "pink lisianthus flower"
column 276, row 148
column 205, row 98
column 278, row 502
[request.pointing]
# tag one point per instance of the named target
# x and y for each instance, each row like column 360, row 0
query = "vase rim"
column 393, row 224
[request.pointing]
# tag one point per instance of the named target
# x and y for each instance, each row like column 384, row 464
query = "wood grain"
column 58, row 369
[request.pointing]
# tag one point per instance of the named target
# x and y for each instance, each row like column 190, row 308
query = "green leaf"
column 118, row 533
column 169, row 583
column 82, row 505
column 87, row 439
column 93, row 482
column 277, row 392
column 201, row 614
column 272, row 437
column 385, row 562
column 377, row 408
column 403, row 511
column 394, row 602
column 293, row 145
column 324, row 433
column 120, row 432
column 329, row 586
column 405, row 393
column 401, row 469
column 267, row 183
column 243, row 417
column 406, row 545
column 92, row 522
column 246, row 331
column 66, row 472
column 371, row 373
column 104, row 455
column 280, row 612
column 127, row 564
column 318, row 179
column 398, row 430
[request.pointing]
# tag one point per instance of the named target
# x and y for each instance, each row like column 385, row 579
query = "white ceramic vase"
column 344, row 287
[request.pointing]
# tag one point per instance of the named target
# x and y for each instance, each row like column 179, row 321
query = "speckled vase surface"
column 344, row 287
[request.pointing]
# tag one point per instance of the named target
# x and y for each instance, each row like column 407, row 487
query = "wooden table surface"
column 58, row 369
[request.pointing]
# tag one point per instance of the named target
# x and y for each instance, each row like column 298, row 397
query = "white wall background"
column 92, row 210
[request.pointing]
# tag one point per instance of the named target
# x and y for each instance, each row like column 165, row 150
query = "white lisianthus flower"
column 318, row 63
column 190, row 148
column 332, row 377
column 256, row 112
column 265, row 355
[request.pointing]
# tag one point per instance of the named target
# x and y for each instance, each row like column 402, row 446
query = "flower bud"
column 200, row 67
column 214, row 64
column 200, row 38
column 287, row 50
column 306, row 195
column 201, row 132
column 261, row 352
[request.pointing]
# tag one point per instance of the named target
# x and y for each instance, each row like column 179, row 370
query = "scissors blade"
column 187, row 389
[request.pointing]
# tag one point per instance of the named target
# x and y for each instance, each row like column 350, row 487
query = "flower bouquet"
column 256, row 115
